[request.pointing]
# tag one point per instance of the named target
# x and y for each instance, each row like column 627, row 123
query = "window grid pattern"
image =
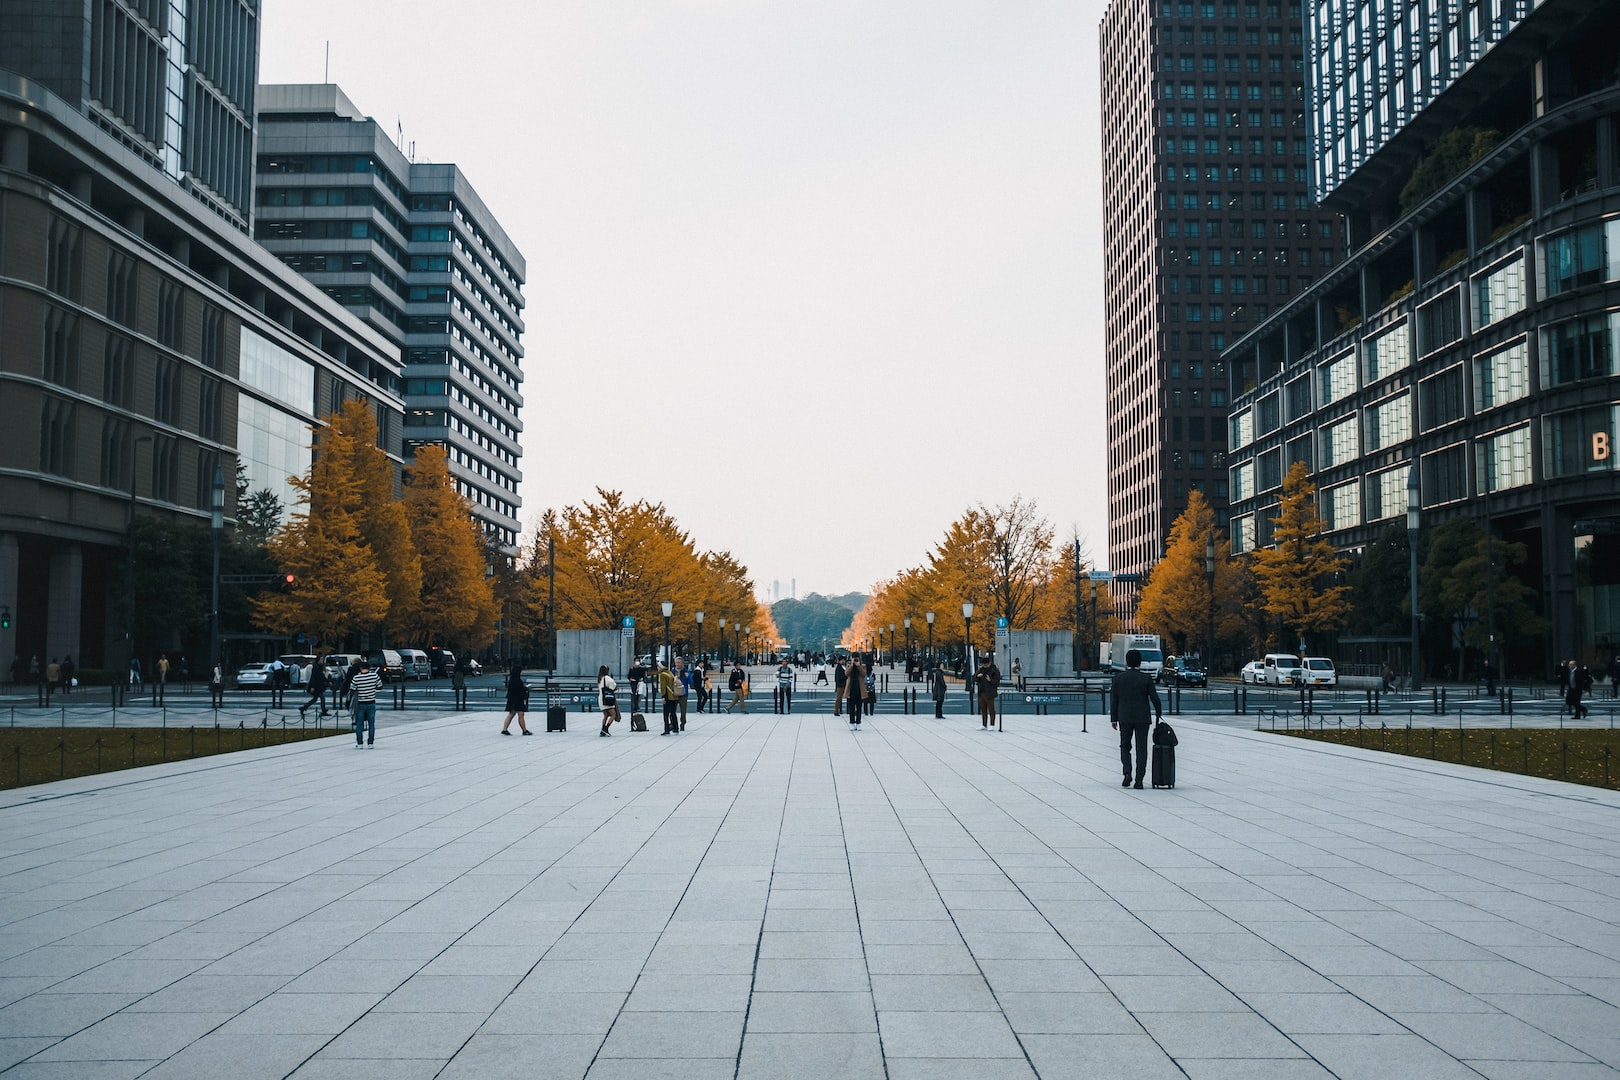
column 1389, row 422
column 1341, row 505
column 1389, row 352
column 1499, row 293
column 1340, row 443
column 1501, row 376
column 1503, row 460
column 1339, row 378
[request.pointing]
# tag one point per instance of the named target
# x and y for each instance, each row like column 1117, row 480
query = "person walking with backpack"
column 735, row 684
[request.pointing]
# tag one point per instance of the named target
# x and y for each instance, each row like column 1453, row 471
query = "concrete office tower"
column 411, row 249
column 1473, row 331
column 1207, row 228
column 147, row 340
column 172, row 81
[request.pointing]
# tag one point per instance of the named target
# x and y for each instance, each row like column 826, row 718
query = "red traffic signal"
column 288, row 579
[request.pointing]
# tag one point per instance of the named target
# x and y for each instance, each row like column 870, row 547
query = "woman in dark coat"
column 517, row 700
column 855, row 690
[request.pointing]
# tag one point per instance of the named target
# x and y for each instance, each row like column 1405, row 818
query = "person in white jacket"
column 607, row 698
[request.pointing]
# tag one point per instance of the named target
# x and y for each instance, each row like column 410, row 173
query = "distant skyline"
column 816, row 277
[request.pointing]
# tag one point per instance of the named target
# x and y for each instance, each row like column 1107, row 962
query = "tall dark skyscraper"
column 1208, row 227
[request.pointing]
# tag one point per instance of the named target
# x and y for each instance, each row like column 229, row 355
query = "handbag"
column 1164, row 735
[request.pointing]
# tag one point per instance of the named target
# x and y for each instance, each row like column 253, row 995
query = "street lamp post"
column 1490, row 579
column 1209, row 569
column 929, row 615
column 669, row 658
column 700, row 637
column 908, row 643
column 1414, row 504
column 891, row 646
column 967, row 648
column 129, row 569
column 736, row 641
column 722, row 649
column 216, row 505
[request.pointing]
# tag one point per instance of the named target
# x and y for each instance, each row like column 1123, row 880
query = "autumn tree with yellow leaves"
column 1177, row 602
column 455, row 604
column 613, row 557
column 341, row 587
column 1297, row 573
column 1001, row 558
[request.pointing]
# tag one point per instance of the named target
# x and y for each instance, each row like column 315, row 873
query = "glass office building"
column 1471, row 333
column 147, row 340
column 411, row 249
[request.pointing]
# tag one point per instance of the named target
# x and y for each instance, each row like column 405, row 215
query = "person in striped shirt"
column 364, row 685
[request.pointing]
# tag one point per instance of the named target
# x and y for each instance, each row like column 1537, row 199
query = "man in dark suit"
column 1134, row 708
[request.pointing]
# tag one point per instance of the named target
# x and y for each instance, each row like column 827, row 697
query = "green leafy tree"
column 258, row 516
column 1381, row 584
column 809, row 622
column 1296, row 574
column 1453, row 587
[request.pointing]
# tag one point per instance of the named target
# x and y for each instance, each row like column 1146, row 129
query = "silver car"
column 253, row 675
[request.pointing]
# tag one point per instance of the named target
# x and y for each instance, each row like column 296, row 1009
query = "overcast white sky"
column 817, row 275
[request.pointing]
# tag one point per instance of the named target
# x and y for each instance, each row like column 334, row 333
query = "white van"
column 1280, row 669
column 416, row 663
column 1319, row 671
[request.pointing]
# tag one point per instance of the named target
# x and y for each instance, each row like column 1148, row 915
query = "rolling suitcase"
column 556, row 718
column 1164, row 755
column 1164, row 766
column 638, row 722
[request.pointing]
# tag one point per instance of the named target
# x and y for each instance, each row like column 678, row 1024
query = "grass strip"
column 39, row 755
column 1579, row 756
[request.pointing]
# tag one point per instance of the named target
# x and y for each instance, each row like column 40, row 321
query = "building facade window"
column 1341, row 505
column 1503, row 460
column 1440, row 398
column 115, row 363
column 1499, row 293
column 121, row 278
column 1581, row 442
column 1586, row 255
column 1440, row 322
column 59, row 359
column 208, row 409
column 1581, row 348
column 1386, row 493
column 1340, row 443
column 165, row 389
column 1388, row 422
column 63, row 258
column 56, row 435
column 1338, row 378
column 165, row 466
column 1444, row 475
column 281, row 375
column 114, row 451
column 171, row 315
column 1389, row 352
column 1501, row 376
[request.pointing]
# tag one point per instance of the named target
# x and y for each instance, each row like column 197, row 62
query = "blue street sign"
column 1001, row 622
column 628, row 622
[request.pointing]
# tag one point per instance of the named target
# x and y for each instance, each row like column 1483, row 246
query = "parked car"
column 1179, row 671
column 337, row 664
column 1253, row 672
column 253, row 675
column 386, row 663
column 441, row 662
column 1278, row 668
column 1319, row 671
column 415, row 663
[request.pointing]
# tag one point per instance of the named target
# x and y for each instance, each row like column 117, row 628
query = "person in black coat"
column 517, row 700
column 1132, row 710
column 317, row 687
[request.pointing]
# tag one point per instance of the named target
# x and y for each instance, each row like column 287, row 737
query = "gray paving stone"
column 481, row 918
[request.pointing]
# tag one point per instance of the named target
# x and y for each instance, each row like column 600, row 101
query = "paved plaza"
column 770, row 896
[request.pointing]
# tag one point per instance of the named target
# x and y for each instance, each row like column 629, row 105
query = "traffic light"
column 287, row 580
column 5, row 618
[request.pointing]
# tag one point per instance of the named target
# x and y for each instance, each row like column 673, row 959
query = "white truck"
column 1111, row 654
